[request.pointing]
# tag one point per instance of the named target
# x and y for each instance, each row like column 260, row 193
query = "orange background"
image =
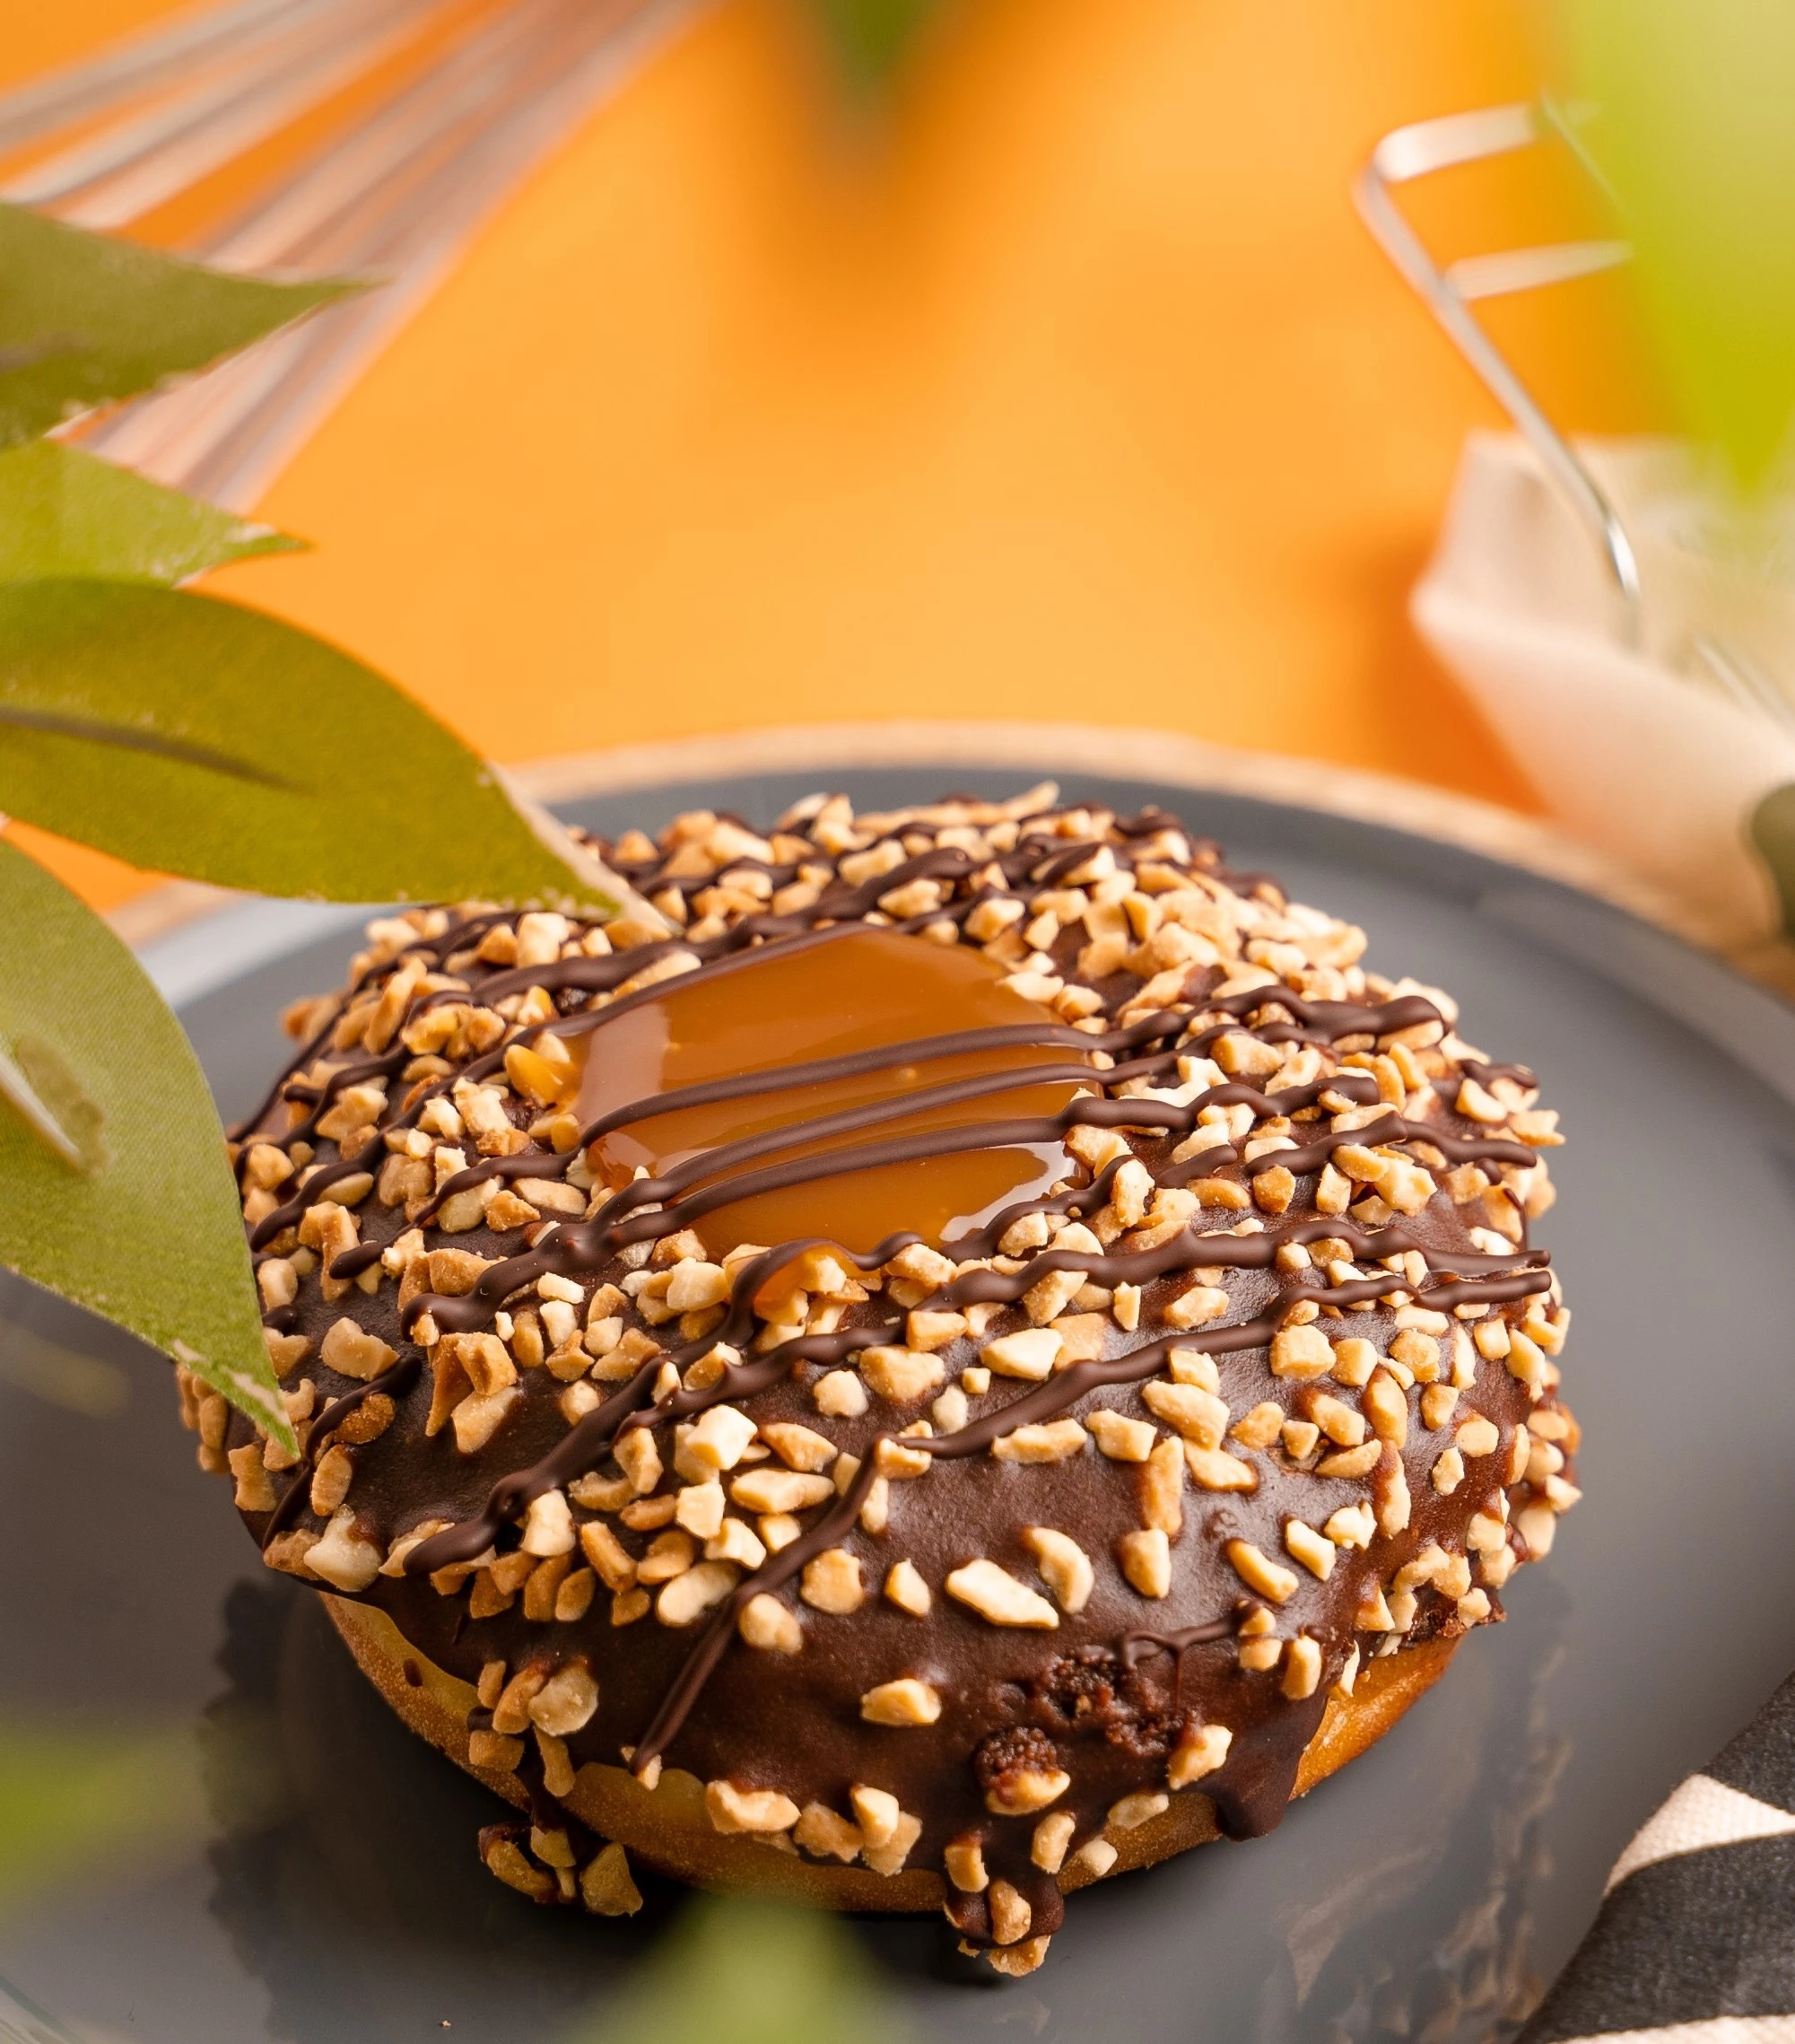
column 1076, row 390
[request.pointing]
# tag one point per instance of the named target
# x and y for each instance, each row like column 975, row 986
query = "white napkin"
column 1638, row 751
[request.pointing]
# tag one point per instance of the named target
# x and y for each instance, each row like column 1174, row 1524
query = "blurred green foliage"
column 74, row 1804
column 871, row 38
column 1694, row 126
column 738, row 1970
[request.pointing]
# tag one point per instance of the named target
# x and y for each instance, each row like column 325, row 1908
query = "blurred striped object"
column 372, row 138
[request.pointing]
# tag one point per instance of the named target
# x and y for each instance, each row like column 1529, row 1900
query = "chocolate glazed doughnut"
column 970, row 1349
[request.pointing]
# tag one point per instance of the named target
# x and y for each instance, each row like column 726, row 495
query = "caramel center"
column 868, row 989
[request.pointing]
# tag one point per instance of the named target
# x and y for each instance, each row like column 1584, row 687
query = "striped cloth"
column 1695, row 1940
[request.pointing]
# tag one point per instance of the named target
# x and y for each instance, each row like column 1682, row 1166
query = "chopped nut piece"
column 898, row 1462
column 760, row 1810
column 735, row 1542
column 1011, row 1915
column 628, row 1605
column 1141, row 1808
column 1118, row 1437
column 832, row 1583
column 1052, row 1835
column 1301, row 1352
column 1195, row 1308
column 1352, row 1525
column 1351, row 1461
column 798, row 1447
column 1387, row 1409
column 907, row 1700
column 688, row 1596
column 1389, row 1490
column 1492, row 1338
column 605, row 1886
column 889, row 1859
column 1199, row 1751
column 902, row 1375
column 344, row 1560
column 368, row 1421
column 1336, row 1420
column 1437, row 1404
column 351, row 1353
column 1302, row 1668
column 825, row 1835
column 476, row 1420
column 639, row 1459
column 1448, row 1472
column 766, row 1623
column 1348, row 1676
column 1476, row 1436
column 877, row 1812
column 573, row 1597
column 1030, row 1353
column 1269, row 1578
column 926, row 1330
column 999, row 1598
column 330, row 1479
column 255, row 1493
column 1260, row 1427
column 1145, row 1559
column 548, row 1527
column 669, row 1554
column 768, row 1489
column 840, row 1394
column 1212, row 1469
column 1057, row 1441
column 964, row 1860
column 1064, row 1565
column 1162, row 1489
column 615, row 1565
column 905, row 1587
column 1199, row 1415
column 1316, row 1554
column 1045, row 1301
column 1099, row 1856
column 718, row 1438
column 699, row 1508
column 566, row 1701
column 511, row 1713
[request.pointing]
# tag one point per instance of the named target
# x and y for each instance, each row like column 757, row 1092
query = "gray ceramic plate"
column 334, row 1896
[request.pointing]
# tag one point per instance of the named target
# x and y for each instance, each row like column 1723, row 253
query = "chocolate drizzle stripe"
column 919, row 1050
column 588, row 1440
column 395, row 1381
column 581, row 1248
column 688, row 1685
column 1046, row 1399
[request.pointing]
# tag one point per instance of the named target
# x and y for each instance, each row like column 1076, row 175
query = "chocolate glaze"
column 764, row 1719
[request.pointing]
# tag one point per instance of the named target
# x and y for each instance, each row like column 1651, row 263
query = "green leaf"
column 1692, row 129
column 64, row 512
column 86, row 320
column 196, row 736
column 143, row 1227
column 871, row 38
column 754, row 1973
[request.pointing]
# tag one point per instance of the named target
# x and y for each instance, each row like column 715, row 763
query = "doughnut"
column 934, row 1358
